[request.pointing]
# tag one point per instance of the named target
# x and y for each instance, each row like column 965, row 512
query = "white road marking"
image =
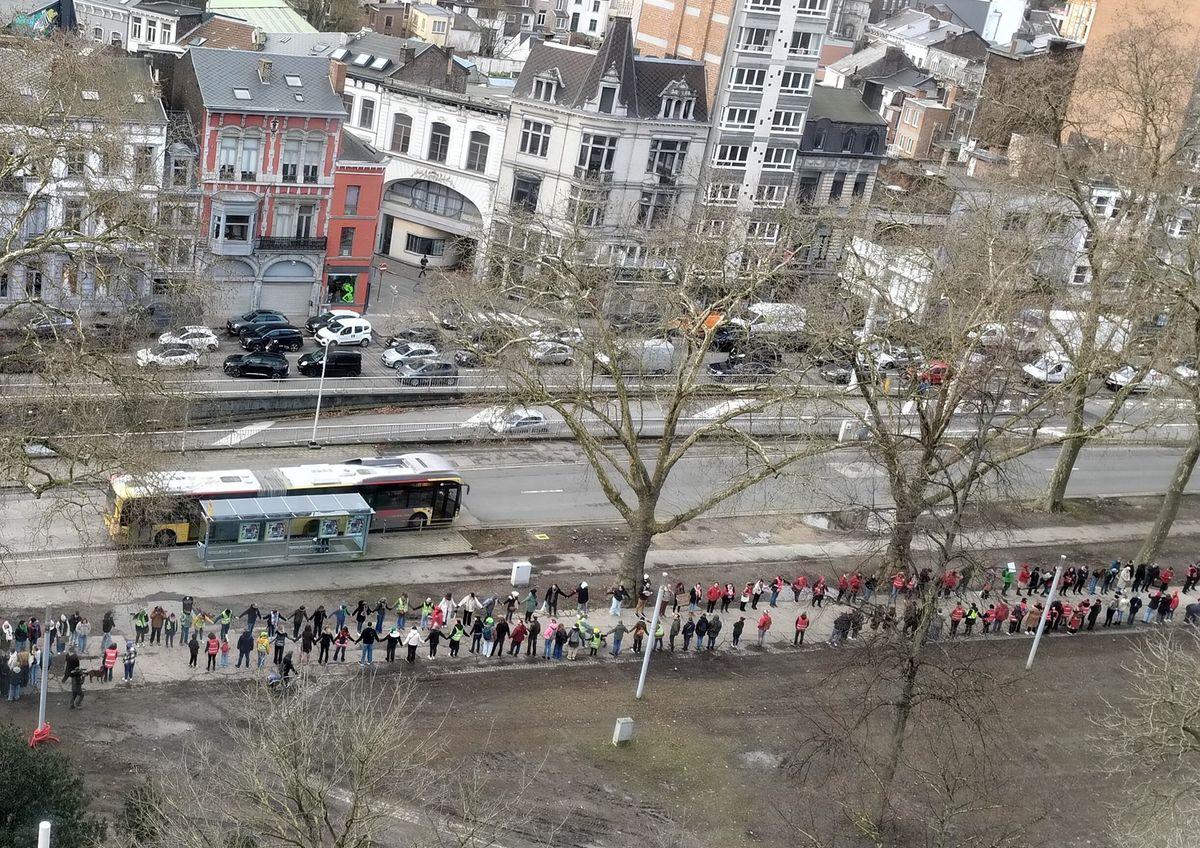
column 243, row 433
column 542, row 491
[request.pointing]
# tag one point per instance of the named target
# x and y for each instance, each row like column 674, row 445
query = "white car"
column 345, row 331
column 885, row 356
column 1186, row 370
column 200, row 338
column 1127, row 374
column 504, row 421
column 1048, row 370
column 408, row 352
column 572, row 336
column 549, row 353
column 170, row 356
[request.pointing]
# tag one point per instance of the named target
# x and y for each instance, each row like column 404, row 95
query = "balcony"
column 592, row 175
column 269, row 243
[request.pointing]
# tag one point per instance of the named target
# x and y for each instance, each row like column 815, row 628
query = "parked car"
column 273, row 338
column 752, row 366
column 322, row 320
column 416, row 333
column 167, row 355
column 502, row 421
column 1050, row 369
column 394, row 357
column 572, row 336
column 650, row 356
column 466, row 358
column 1125, row 375
column 550, row 353
column 254, row 318
column 636, row 322
column 935, row 373
column 51, row 325
column 200, row 338
column 345, row 331
column 273, row 365
column 886, row 356
column 341, row 363
column 837, row 371
column 428, row 372
column 782, row 322
column 1186, row 370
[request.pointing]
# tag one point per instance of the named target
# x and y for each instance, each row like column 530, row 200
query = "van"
column 783, row 323
column 342, row 363
column 345, row 331
column 650, row 357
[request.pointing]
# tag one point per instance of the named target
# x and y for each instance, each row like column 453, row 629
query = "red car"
column 936, row 372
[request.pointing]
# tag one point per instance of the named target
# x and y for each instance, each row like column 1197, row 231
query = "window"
column 1080, row 275
column 73, row 215
column 233, row 227
column 424, row 246
column 76, row 161
column 787, row 122
column 680, row 108
column 767, row 231
column 654, row 209
column 666, row 157
column 250, row 153
column 731, row 155
column 97, row 34
column 366, row 114
column 544, row 89
column 596, row 155
column 586, row 205
column 227, row 157
column 348, row 104
column 608, row 98
column 4, row 289
column 592, row 25
column 292, row 151
column 166, row 36
column 779, row 158
column 33, row 283
column 135, row 28
column 541, row 19
column 755, row 39
column 439, row 142
column 151, row 30
column 525, row 191
column 738, row 118
column 771, row 6
column 796, row 82
column 771, row 195
column 477, row 151
column 748, row 79
column 870, row 143
column 818, row 140
column 837, row 186
column 721, row 194
column 346, row 242
column 314, row 156
column 535, row 137
column 401, row 133
column 181, row 172
column 387, row 21
column 804, row 44
column 848, row 141
column 910, row 117
column 713, row 227
column 813, row 7
column 439, row 27
column 860, row 185
column 351, row 203
column 806, row 188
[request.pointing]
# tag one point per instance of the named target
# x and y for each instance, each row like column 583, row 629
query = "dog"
column 95, row 674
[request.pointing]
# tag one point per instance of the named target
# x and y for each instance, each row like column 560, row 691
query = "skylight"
column 379, row 64
column 340, row 53
column 362, row 59
column 293, row 81
column 241, row 93
column 197, row 41
column 299, row 98
column 89, row 94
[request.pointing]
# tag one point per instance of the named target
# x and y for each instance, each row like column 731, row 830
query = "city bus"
column 412, row 491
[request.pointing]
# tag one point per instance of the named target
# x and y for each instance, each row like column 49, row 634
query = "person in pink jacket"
column 548, row 637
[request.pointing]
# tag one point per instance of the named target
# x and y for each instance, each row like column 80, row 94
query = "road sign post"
column 658, row 601
column 1037, row 638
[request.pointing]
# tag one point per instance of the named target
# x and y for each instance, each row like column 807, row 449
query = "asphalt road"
column 547, row 493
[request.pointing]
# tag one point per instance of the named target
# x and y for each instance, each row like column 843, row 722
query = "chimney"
column 264, row 71
column 449, row 62
column 337, row 76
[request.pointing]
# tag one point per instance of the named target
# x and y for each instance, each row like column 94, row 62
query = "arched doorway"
column 232, row 291
column 287, row 285
column 423, row 218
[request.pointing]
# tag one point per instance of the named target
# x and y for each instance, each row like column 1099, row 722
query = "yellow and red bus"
column 413, row 491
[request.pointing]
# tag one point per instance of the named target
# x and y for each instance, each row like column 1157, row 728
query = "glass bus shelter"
column 297, row 528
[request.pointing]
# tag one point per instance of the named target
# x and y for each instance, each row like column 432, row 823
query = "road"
column 543, row 492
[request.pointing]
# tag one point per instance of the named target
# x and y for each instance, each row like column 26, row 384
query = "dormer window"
column 678, row 108
column 545, row 90
column 608, row 98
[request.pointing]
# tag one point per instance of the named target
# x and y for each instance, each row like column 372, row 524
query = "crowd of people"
column 556, row 624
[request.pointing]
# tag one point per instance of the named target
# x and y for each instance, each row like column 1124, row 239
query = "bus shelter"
column 293, row 528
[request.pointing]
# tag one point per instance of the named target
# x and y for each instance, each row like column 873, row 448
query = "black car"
column 255, row 317
column 52, row 325
column 730, row 337
column 422, row 333
column 342, row 363
column 273, row 365
column 267, row 337
column 429, row 372
column 752, row 366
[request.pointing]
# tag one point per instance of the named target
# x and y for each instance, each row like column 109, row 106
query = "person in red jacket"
column 1023, row 578
column 989, row 616
column 712, row 596
column 898, row 583
column 1193, row 576
column 764, row 624
column 518, row 636
column 1172, row 605
column 855, row 586
column 802, row 623
column 108, row 661
column 212, row 648
column 956, row 616
column 843, row 584
column 1166, row 577
column 798, row 587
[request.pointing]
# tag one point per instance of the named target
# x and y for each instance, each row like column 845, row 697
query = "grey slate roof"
column 219, row 72
column 843, row 105
column 642, row 78
column 354, row 149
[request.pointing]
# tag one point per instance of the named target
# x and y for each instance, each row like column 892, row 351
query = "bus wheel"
column 418, row 522
column 165, row 538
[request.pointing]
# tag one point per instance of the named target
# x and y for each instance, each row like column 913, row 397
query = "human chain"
column 562, row 623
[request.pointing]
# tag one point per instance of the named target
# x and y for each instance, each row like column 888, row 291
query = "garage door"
column 227, row 297
column 289, row 298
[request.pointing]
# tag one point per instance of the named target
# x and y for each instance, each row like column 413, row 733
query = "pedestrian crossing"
column 479, row 318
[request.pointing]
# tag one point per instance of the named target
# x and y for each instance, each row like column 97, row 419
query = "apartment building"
column 269, row 135
column 353, row 221
column 138, row 25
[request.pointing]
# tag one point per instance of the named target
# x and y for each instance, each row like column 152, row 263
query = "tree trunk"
column 898, row 556
column 633, row 558
column 1169, row 507
column 1052, row 500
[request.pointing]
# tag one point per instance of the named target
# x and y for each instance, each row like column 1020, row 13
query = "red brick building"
column 269, row 133
column 353, row 219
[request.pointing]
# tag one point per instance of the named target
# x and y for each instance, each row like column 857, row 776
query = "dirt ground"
column 712, row 739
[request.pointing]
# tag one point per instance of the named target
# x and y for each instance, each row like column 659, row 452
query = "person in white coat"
column 413, row 641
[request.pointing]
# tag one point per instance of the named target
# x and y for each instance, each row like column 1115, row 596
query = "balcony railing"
column 289, row 243
column 593, row 175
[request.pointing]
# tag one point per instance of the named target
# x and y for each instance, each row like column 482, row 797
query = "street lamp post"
column 312, row 442
column 44, row 670
column 658, row 602
column 1058, row 573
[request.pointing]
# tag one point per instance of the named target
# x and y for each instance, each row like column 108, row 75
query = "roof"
column 465, row 22
column 378, row 57
column 290, row 506
column 354, row 149
column 968, row 45
column 221, row 33
column 843, row 105
column 219, row 72
column 304, row 43
column 117, row 88
column 906, row 78
column 267, row 15
column 641, row 80
column 918, row 27
column 431, row 10
column 163, row 7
